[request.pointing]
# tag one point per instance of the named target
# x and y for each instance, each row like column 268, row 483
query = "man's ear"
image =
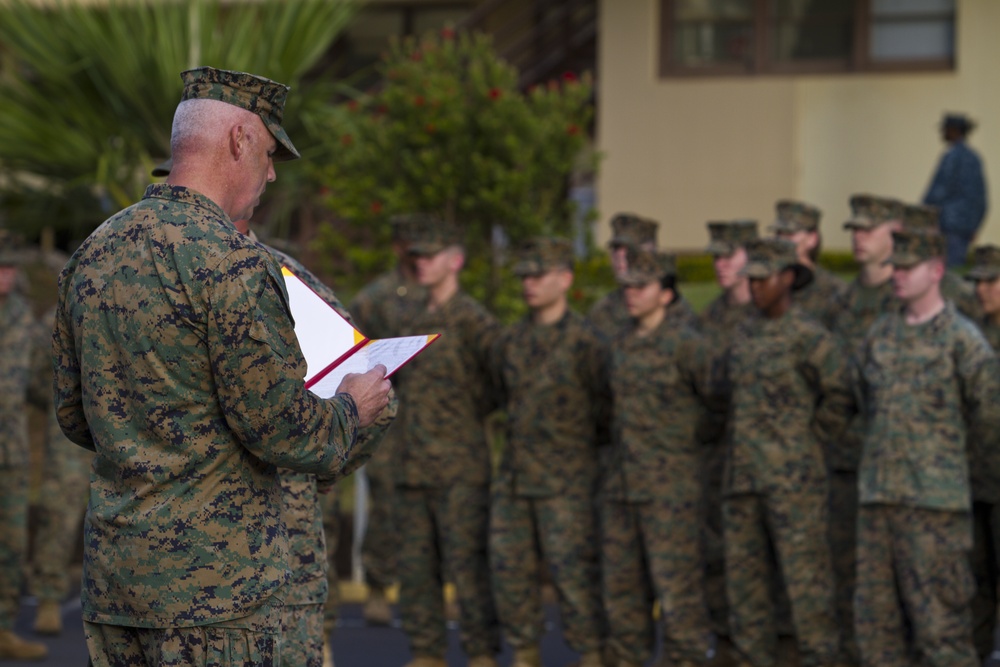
column 238, row 140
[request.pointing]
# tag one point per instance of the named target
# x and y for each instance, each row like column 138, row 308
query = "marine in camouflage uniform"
column 176, row 361
column 788, row 387
column 868, row 296
column 718, row 323
column 927, row 385
column 17, row 342
column 609, row 313
column 381, row 308
column 985, row 274
column 651, row 501
column 62, row 500
column 443, row 472
column 550, row 372
column 799, row 223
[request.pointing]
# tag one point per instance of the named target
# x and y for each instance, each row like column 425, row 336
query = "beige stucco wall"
column 688, row 150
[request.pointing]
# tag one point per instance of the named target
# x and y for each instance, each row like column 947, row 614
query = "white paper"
column 390, row 352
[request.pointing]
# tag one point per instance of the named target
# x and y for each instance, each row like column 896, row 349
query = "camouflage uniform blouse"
column 382, row 306
column 789, row 384
column 17, row 339
column 922, row 388
column 176, row 360
column 444, row 395
column 552, row 381
column 821, row 298
column 660, row 395
column 609, row 314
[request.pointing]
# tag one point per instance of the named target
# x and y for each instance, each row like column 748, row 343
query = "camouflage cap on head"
column 645, row 266
column 985, row 263
column 254, row 93
column 911, row 248
column 429, row 234
column 921, row 219
column 628, row 229
column 404, row 226
column 725, row 237
column 765, row 257
column 795, row 216
column 869, row 211
column 541, row 254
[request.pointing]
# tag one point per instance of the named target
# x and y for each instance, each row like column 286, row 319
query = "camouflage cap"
column 869, row 211
column 162, row 170
column 726, row 236
column 11, row 248
column 795, row 216
column 628, row 229
column 262, row 96
column 541, row 254
column 429, row 234
column 985, row 263
column 910, row 248
column 765, row 257
column 645, row 266
column 405, row 225
column 922, row 219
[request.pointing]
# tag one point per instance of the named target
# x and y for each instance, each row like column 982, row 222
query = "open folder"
column 332, row 347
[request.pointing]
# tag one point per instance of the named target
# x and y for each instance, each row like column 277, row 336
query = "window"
column 781, row 36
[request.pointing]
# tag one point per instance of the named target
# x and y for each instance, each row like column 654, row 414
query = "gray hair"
column 202, row 123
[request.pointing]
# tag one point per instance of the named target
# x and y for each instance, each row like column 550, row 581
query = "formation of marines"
column 806, row 460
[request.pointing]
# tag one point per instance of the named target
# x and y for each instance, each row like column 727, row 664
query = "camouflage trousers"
column 986, row 570
column 713, row 544
column 62, row 503
column 913, row 566
column 843, row 546
column 443, row 537
column 651, row 551
column 330, row 507
column 251, row 641
column 13, row 540
column 560, row 531
column 381, row 541
column 794, row 524
column 302, row 635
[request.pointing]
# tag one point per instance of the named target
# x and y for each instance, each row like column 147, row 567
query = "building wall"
column 688, row 150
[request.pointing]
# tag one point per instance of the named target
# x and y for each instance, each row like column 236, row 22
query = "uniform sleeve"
column 702, row 370
column 40, row 377
column 830, row 368
column 66, row 384
column 979, row 377
column 259, row 370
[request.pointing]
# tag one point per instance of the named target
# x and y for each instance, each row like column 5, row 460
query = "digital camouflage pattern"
column 914, row 581
column 985, row 263
column 302, row 633
column 789, row 391
column 17, row 340
column 609, row 314
column 543, row 253
column 168, row 296
column 870, row 211
column 442, row 478
column 552, row 384
column 631, row 230
column 727, row 236
column 795, row 216
column 922, row 389
column 381, row 310
column 821, row 297
column 651, row 493
column 254, row 93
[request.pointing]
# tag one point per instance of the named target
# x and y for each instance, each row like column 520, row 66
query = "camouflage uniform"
column 788, row 384
column 381, row 308
column 443, row 472
column 609, row 313
column 718, row 323
column 860, row 306
column 985, row 496
column 651, row 501
column 819, row 299
column 552, row 382
column 923, row 389
column 176, row 361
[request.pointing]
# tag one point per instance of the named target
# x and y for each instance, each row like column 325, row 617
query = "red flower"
column 419, row 100
column 447, row 33
column 572, row 130
column 495, row 93
column 430, row 128
column 347, row 140
column 569, row 77
column 376, row 207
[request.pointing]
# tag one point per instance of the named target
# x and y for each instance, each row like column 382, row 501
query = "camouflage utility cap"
column 542, row 254
column 645, row 266
column 985, row 263
column 912, row 248
column 262, row 96
column 429, row 235
column 795, row 216
column 405, row 226
column 869, row 211
column 921, row 219
column 725, row 237
column 765, row 257
column 628, row 229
